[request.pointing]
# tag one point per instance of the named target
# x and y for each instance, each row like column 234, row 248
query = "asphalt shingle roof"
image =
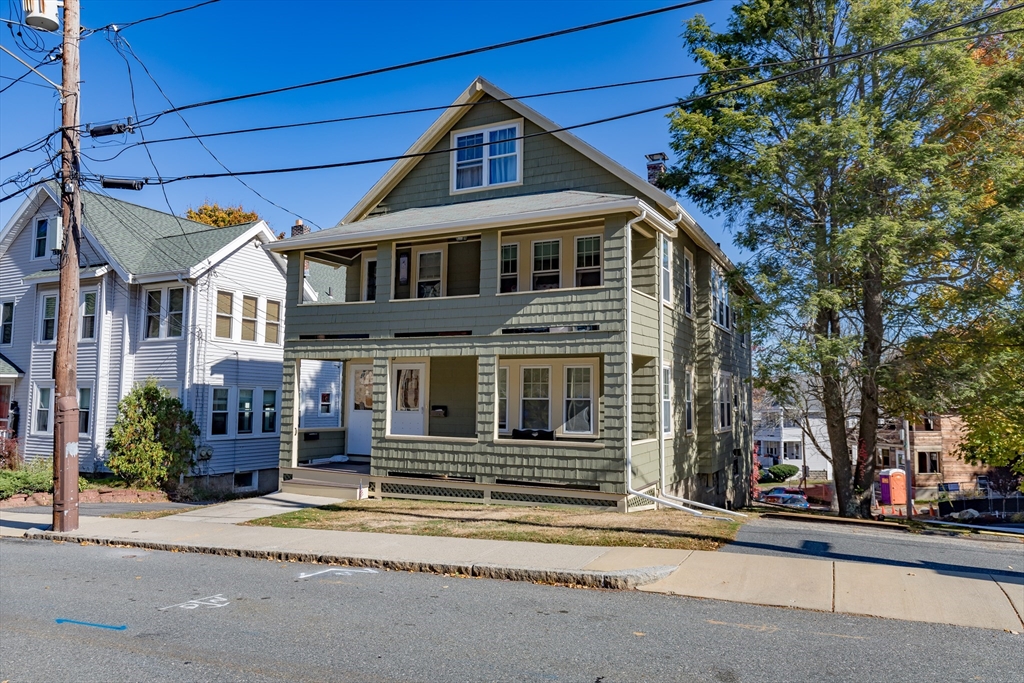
column 464, row 211
column 145, row 241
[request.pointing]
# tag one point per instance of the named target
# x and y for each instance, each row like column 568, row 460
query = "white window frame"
column 7, row 305
column 720, row 299
column 320, row 403
column 502, row 369
column 522, row 399
column 264, row 411
column 533, row 273
column 667, row 407
column 565, row 399
column 53, row 237
column 723, row 390
column 501, row 264
column 255, row 319
column 267, row 322
column 82, row 316
column 417, row 254
column 163, row 314
column 49, row 387
column 238, row 412
column 229, row 431
column 368, row 257
column 485, row 130
column 89, row 411
column 666, row 265
column 217, row 315
column 690, row 417
column 576, row 260
column 43, row 319
column 688, row 281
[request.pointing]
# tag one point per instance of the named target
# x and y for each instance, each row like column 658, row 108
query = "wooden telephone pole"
column 65, row 424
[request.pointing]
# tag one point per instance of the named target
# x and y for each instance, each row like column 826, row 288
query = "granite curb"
column 622, row 579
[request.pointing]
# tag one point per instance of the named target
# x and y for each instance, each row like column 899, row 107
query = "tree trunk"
column 871, row 358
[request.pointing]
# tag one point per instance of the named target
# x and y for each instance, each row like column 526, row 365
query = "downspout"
column 661, row 375
column 629, row 373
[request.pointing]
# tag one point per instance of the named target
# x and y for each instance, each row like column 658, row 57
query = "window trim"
column 720, row 286
column 53, row 242
column 667, row 285
column 565, row 399
column 50, row 387
column 264, row 411
column 690, row 416
column 723, row 382
column 533, row 273
column 501, row 263
column 497, row 400
column 575, row 260
column 164, row 313
column 417, row 254
column 90, row 411
column 522, row 399
column 267, row 322
column 228, row 431
column 255, row 320
column 43, row 319
column 9, row 324
column 485, row 129
column 85, row 291
column 367, row 257
column 251, row 412
column 688, row 283
column 320, row 403
column 232, row 412
column 217, row 315
column 667, row 401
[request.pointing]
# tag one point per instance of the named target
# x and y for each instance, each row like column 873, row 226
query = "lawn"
column 569, row 526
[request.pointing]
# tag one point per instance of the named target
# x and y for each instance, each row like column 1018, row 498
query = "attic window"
column 486, row 157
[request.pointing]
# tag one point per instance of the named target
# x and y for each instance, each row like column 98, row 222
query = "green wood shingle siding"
column 548, row 165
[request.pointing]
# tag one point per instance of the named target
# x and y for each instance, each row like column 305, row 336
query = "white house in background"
column 781, row 439
column 198, row 308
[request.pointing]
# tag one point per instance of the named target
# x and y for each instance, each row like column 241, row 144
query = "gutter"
column 629, row 373
column 632, row 204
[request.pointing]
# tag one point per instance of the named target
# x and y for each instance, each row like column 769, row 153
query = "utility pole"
column 908, row 462
column 65, row 424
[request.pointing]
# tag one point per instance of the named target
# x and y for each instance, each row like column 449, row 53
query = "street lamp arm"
column 33, row 69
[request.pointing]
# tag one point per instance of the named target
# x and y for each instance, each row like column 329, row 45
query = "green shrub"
column 782, row 472
column 33, row 477
column 153, row 438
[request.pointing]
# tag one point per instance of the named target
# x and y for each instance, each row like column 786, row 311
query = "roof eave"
column 633, row 205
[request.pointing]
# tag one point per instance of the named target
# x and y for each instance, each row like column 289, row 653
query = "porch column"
column 486, row 392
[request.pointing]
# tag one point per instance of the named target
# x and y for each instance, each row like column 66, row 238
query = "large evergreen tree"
column 856, row 188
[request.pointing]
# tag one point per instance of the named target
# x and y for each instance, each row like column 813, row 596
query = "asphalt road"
column 786, row 538
column 274, row 625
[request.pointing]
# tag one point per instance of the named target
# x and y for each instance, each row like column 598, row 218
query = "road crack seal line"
column 1020, row 617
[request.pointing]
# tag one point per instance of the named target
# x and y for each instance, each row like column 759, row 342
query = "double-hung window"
column 666, row 399
column 502, row 399
column 547, row 272
column 219, row 411
column 536, row 398
column 428, row 274
column 48, row 331
column 84, row 409
column 225, row 312
column 269, row 425
column 6, row 322
column 245, row 411
column 485, row 158
column 249, row 306
column 666, row 269
column 46, row 238
column 326, row 403
column 588, row 261
column 723, row 399
column 42, row 423
column 154, row 306
column 721, row 314
column 175, row 311
column 87, row 328
column 370, row 278
column 579, row 400
column 165, row 315
column 689, row 400
column 509, row 268
column 687, row 282
column 272, row 327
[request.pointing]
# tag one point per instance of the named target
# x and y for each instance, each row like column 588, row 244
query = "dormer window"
column 486, row 157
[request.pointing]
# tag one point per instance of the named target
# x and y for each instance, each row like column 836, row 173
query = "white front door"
column 408, row 414
column 359, row 417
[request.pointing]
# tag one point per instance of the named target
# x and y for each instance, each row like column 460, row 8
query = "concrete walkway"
column 943, row 597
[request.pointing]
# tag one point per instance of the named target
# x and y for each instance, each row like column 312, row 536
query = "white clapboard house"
column 198, row 308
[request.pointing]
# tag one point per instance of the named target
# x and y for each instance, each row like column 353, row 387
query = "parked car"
column 783, row 490
column 790, row 500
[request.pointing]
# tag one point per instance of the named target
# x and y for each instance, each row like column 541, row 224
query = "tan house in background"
column 934, row 444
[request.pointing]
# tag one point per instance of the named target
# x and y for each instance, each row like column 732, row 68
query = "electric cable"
column 121, row 27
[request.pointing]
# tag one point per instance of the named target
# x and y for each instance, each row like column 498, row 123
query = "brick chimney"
column 656, row 166
column 299, row 228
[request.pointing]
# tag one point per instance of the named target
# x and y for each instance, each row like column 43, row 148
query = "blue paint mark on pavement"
column 87, row 623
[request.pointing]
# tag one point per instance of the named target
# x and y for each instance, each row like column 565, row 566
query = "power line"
column 550, row 93
column 121, row 27
column 431, row 60
column 117, row 38
column 617, row 117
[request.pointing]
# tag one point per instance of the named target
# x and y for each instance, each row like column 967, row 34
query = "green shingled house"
column 524, row 321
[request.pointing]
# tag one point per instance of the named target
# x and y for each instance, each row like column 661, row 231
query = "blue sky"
column 234, row 47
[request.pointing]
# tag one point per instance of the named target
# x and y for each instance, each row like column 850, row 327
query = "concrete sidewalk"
column 843, row 587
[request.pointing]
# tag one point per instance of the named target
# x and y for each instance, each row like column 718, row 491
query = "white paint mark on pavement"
column 341, row 571
column 210, row 602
